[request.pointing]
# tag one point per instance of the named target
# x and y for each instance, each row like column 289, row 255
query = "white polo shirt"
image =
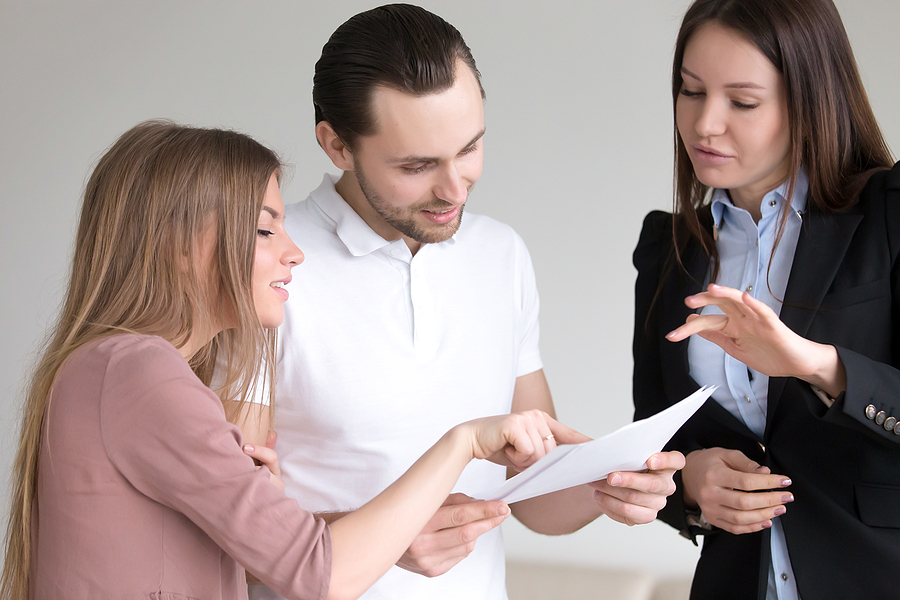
column 382, row 352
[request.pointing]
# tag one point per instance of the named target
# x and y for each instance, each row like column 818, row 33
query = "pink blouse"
column 144, row 491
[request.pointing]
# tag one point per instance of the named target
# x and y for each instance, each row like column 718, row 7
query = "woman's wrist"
column 826, row 370
column 460, row 441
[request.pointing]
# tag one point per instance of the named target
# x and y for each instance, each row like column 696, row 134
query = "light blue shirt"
column 747, row 263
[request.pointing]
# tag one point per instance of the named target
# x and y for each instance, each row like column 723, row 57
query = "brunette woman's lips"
column 441, row 218
column 710, row 156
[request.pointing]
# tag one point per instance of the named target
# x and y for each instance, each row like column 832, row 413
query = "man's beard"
column 403, row 219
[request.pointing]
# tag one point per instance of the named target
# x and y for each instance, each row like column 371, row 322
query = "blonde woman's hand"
column 268, row 458
column 520, row 439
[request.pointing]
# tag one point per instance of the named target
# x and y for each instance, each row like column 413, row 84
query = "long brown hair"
column 833, row 130
column 135, row 268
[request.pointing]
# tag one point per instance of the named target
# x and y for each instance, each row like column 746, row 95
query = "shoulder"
column 302, row 215
column 657, row 223
column 132, row 355
column 655, row 232
column 125, row 351
column 880, row 198
column 147, row 380
column 128, row 363
column 882, row 186
column 485, row 230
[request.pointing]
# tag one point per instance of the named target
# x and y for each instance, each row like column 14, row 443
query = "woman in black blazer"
column 784, row 198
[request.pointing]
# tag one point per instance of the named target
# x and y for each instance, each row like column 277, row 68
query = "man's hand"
column 633, row 498
column 728, row 488
column 451, row 533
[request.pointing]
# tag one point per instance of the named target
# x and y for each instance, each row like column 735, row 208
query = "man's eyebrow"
column 739, row 85
column 428, row 159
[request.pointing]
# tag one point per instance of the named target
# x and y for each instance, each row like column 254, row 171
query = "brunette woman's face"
column 275, row 256
column 732, row 115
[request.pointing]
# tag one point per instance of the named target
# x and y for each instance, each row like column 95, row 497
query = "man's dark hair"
column 399, row 46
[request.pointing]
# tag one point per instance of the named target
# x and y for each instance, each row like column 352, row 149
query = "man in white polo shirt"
column 407, row 319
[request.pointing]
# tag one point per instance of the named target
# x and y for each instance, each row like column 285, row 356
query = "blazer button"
column 897, row 428
column 890, row 423
column 870, row 412
column 880, row 417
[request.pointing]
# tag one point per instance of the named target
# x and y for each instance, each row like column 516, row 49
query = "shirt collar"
column 721, row 201
column 351, row 229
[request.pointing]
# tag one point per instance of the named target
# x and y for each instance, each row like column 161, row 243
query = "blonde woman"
column 129, row 480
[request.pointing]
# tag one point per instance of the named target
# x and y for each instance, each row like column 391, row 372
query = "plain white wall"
column 578, row 149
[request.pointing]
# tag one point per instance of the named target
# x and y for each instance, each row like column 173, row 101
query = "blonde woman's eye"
column 265, row 232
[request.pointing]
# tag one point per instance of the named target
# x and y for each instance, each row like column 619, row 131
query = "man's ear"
column 336, row 150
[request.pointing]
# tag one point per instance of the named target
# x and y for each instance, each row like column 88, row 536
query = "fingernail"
column 671, row 334
column 780, row 511
column 761, row 468
column 713, row 286
column 653, row 464
column 787, row 498
column 616, row 479
column 767, row 524
column 503, row 510
column 248, row 448
column 785, row 482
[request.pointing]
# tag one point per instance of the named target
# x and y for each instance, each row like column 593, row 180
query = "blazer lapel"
column 821, row 248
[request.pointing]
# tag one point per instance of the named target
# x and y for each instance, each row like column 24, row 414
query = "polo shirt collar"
column 355, row 233
column 351, row 229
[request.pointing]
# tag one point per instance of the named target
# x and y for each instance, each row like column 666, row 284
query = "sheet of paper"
column 626, row 449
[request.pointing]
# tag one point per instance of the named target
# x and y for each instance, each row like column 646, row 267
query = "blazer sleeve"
column 647, row 379
column 166, row 433
column 874, row 381
column 648, row 389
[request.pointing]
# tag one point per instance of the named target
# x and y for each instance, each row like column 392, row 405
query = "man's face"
column 415, row 173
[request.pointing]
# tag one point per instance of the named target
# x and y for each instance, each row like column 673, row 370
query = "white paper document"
column 626, row 449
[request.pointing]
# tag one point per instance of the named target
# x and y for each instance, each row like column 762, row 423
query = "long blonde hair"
column 150, row 198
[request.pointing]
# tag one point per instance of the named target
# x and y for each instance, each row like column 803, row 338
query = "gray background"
column 578, row 150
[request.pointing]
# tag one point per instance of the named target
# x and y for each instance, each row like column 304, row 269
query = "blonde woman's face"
column 275, row 256
column 732, row 115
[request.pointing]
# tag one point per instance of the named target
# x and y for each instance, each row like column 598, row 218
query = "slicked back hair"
column 399, row 46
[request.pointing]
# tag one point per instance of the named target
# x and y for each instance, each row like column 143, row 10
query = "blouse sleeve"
column 166, row 433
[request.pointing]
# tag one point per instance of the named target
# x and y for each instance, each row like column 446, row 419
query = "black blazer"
column 843, row 529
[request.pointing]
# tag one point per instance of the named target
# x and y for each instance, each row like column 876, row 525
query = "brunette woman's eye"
column 264, row 232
